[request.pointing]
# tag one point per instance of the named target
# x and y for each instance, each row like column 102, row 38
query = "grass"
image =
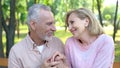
column 117, row 53
column 63, row 35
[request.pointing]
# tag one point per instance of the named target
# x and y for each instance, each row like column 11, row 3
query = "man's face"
column 45, row 28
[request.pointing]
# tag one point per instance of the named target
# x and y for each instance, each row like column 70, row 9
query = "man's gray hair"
column 34, row 12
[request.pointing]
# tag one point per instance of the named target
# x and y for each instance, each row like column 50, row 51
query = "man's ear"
column 32, row 25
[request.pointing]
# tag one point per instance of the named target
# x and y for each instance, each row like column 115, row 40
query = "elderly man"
column 39, row 49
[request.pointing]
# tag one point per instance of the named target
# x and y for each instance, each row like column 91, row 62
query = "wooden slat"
column 3, row 62
column 116, row 65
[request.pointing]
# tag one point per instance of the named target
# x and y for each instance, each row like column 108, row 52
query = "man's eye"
column 50, row 23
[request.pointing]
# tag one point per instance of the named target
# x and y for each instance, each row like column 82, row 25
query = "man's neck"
column 36, row 40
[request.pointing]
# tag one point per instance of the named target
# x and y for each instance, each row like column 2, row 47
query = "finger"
column 53, row 67
column 45, row 64
column 60, row 57
column 53, row 64
column 49, row 59
column 56, row 54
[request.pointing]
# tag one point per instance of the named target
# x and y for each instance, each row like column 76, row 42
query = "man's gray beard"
column 48, row 38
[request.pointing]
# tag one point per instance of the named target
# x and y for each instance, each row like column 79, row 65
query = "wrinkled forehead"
column 46, row 15
column 45, row 12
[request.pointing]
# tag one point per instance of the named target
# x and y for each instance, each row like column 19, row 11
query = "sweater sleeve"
column 67, row 53
column 105, row 54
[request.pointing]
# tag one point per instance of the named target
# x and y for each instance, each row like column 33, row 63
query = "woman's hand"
column 49, row 64
column 57, row 56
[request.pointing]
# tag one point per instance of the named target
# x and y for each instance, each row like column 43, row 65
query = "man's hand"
column 59, row 58
column 49, row 64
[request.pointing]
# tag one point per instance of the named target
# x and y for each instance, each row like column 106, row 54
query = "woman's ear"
column 86, row 22
column 32, row 25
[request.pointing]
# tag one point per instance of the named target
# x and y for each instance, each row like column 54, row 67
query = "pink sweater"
column 99, row 54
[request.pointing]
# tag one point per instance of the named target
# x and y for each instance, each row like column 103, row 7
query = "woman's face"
column 77, row 26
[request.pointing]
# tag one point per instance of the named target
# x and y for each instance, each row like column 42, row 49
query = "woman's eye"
column 71, row 22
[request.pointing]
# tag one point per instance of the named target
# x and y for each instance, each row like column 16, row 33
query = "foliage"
column 21, row 12
column 108, row 17
column 117, row 53
column 108, row 13
column 6, row 8
column 62, row 34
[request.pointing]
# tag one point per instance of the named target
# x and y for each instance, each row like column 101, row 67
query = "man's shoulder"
column 57, row 44
column 19, row 49
column 18, row 46
column 56, row 40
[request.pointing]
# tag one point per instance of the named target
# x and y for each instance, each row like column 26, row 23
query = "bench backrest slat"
column 4, row 62
column 116, row 65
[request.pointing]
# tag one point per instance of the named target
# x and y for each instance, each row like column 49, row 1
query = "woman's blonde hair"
column 94, row 26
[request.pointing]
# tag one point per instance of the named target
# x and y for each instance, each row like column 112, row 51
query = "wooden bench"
column 4, row 62
column 116, row 65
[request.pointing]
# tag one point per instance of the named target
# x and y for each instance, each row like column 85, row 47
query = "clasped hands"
column 58, row 60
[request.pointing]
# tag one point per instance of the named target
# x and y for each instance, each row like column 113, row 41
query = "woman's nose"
column 69, row 27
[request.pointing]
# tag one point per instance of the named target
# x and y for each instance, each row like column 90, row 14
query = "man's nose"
column 53, row 28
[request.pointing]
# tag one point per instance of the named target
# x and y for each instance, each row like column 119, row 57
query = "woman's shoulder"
column 103, row 39
column 69, row 39
column 106, row 40
column 106, row 37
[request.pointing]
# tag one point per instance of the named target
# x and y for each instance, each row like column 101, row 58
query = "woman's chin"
column 75, row 36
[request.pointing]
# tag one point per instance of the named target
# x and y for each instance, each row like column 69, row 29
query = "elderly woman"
column 89, row 47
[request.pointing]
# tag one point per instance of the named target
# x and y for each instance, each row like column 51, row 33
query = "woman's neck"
column 87, row 39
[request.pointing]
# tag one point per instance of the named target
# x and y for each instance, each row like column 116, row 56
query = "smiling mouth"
column 50, row 34
column 73, row 31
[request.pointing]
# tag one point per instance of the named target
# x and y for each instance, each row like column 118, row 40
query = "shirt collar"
column 31, row 44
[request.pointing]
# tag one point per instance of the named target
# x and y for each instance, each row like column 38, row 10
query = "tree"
column 36, row 1
column 93, row 4
column 21, row 14
column 10, row 28
column 1, row 45
column 99, row 7
column 115, row 19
